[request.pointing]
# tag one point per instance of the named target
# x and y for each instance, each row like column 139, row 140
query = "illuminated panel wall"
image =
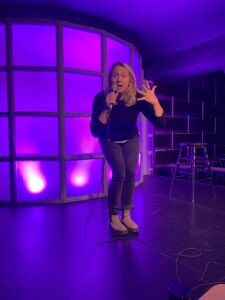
column 47, row 152
column 137, row 68
column 4, row 149
column 2, row 45
column 116, row 51
column 4, row 179
column 3, row 92
column 35, row 91
column 41, row 49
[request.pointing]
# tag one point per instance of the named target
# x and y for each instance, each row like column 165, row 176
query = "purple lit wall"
column 3, row 92
column 80, row 179
column 41, row 49
column 2, row 46
column 37, row 178
column 82, row 49
column 35, row 91
column 137, row 68
column 4, row 178
column 36, row 136
column 45, row 110
column 84, row 143
column 79, row 92
column 4, row 149
column 116, row 51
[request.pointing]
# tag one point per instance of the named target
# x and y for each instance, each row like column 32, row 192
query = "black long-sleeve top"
column 122, row 123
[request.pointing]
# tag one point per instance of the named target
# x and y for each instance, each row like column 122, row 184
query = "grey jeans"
column 123, row 160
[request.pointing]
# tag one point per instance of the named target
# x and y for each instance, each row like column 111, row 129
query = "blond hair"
column 129, row 96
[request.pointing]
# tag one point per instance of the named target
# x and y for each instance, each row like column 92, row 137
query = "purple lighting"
column 2, row 46
column 4, row 178
column 41, row 48
column 79, row 177
column 37, row 180
column 137, row 68
column 33, row 177
column 83, row 177
column 82, row 49
column 46, row 98
column 84, row 141
column 116, row 51
column 4, row 145
column 37, row 136
column 35, row 91
column 3, row 92
column 79, row 91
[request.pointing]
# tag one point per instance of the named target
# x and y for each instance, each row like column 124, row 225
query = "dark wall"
column 195, row 112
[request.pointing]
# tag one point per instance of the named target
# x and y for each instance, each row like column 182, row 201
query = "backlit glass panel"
column 116, row 51
column 79, row 92
column 37, row 136
column 35, row 91
column 78, row 137
column 2, row 46
column 34, row 45
column 37, row 180
column 137, row 68
column 82, row 49
column 3, row 92
column 4, row 182
column 84, row 177
column 4, row 144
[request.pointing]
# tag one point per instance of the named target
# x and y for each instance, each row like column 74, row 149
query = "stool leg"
column 175, row 171
column 209, row 171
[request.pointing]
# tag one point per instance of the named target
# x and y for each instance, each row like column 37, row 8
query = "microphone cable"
column 168, row 254
column 181, row 254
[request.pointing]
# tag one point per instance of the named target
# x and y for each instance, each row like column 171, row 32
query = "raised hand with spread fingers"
column 150, row 96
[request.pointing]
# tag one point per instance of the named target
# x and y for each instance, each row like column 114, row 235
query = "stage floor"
column 56, row 252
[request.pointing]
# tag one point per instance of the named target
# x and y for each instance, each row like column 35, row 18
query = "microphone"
column 114, row 89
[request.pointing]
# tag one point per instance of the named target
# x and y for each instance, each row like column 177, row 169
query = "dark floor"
column 46, row 253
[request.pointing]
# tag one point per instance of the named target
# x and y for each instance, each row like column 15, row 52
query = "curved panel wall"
column 47, row 86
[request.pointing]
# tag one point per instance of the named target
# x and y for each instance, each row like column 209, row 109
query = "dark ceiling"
column 176, row 38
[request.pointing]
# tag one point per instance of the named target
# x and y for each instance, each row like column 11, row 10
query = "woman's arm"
column 150, row 105
column 97, row 126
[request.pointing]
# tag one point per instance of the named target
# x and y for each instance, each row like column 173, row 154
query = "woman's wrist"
column 158, row 109
column 103, row 117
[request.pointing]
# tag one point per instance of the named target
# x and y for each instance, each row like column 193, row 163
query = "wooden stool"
column 193, row 160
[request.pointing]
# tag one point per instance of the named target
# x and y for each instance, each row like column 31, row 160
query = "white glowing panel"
column 37, row 180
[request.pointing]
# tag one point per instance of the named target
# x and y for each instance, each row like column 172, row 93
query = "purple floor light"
column 53, row 153
column 37, row 180
column 79, row 177
column 34, row 180
column 83, row 177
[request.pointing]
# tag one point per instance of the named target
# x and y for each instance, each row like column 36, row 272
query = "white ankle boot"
column 126, row 220
column 117, row 226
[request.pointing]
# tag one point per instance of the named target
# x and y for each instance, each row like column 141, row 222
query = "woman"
column 113, row 121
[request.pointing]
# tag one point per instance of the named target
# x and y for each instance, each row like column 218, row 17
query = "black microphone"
column 114, row 89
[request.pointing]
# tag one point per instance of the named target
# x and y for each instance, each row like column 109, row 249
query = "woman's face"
column 121, row 78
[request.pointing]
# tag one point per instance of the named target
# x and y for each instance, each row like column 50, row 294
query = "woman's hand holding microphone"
column 110, row 101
